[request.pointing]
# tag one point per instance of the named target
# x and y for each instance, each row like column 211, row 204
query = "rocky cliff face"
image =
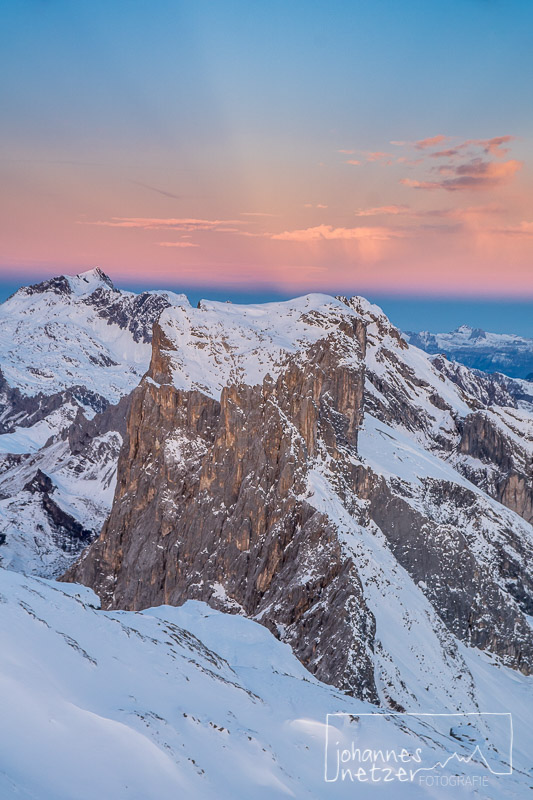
column 487, row 440
column 300, row 464
column 232, row 525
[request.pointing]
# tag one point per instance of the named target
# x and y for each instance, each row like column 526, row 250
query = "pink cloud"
column 524, row 229
column 354, row 162
column 453, row 213
column 388, row 210
column 347, row 152
column 414, row 184
column 423, row 144
column 475, row 175
column 451, row 153
column 148, row 223
column 378, row 156
column 177, row 244
column 466, row 213
column 479, row 174
column 257, row 214
column 491, row 147
column 328, row 232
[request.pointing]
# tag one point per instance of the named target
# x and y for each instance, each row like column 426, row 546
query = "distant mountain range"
column 478, row 349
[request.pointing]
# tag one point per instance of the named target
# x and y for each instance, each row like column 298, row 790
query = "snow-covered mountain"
column 313, row 471
column 79, row 331
column 298, row 464
column 478, row 349
column 71, row 351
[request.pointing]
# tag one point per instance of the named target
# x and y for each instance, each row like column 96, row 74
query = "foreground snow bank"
column 174, row 703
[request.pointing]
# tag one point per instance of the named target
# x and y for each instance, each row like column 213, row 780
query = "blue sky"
column 379, row 148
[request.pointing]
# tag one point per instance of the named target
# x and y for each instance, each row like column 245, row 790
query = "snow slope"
column 191, row 703
column 222, row 343
column 61, row 334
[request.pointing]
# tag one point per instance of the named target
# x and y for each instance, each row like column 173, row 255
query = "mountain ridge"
column 476, row 348
column 242, row 476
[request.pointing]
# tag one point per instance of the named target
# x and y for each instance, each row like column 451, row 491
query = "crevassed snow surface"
column 192, row 703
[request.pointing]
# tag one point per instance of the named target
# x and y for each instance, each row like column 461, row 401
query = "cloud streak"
column 321, row 233
column 177, row 244
column 392, row 210
column 523, row 230
column 158, row 191
column 257, row 214
column 154, row 224
column 465, row 213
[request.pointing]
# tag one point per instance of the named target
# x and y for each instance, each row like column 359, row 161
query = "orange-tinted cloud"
column 354, row 162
